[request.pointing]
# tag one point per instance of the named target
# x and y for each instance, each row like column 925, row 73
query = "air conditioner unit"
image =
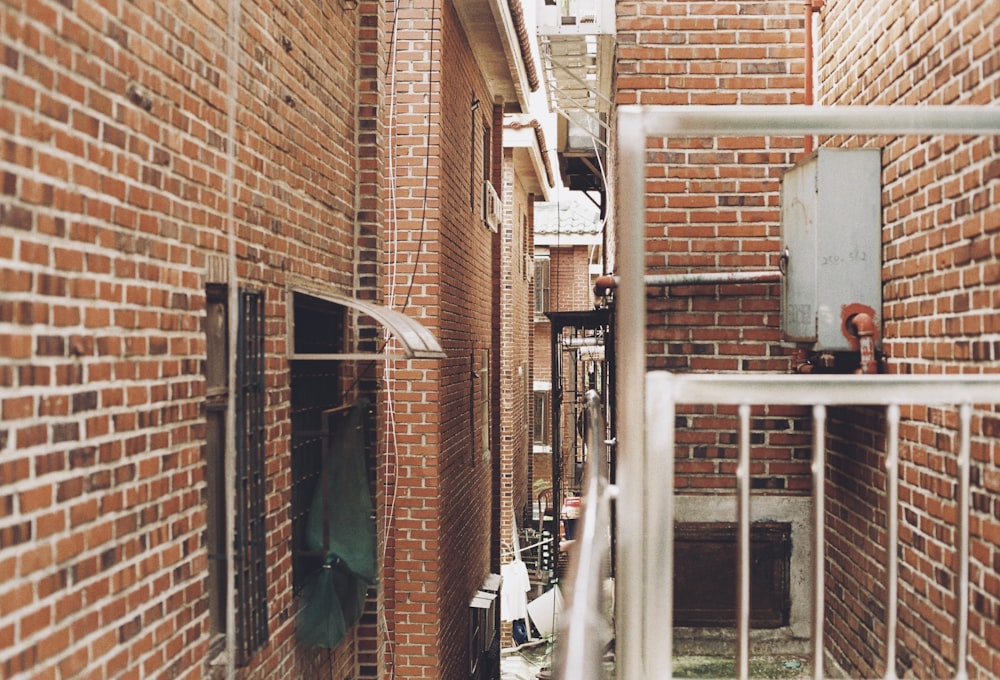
column 492, row 208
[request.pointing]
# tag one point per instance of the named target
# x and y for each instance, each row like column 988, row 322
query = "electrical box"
column 831, row 232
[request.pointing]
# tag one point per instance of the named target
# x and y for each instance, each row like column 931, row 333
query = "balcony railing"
column 646, row 407
column 653, row 516
column 585, row 631
column 645, row 530
column 577, row 39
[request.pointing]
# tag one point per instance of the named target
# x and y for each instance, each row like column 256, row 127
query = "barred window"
column 250, row 546
column 249, row 564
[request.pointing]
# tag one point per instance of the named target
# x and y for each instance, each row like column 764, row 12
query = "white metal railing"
column 583, row 627
column 644, row 541
column 666, row 390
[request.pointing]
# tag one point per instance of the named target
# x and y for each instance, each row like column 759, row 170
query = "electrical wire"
column 392, row 239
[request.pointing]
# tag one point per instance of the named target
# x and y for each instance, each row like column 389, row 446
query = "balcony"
column 577, row 41
column 645, row 506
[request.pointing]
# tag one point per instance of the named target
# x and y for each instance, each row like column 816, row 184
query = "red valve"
column 858, row 326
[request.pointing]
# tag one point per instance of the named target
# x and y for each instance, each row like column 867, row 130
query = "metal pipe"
column 633, row 558
column 579, row 654
column 712, row 278
column 964, row 464
column 555, row 418
column 819, row 536
column 842, row 390
column 863, row 327
column 892, row 544
column 658, row 527
column 233, row 22
column 743, row 541
column 709, row 120
column 607, row 283
column 810, row 7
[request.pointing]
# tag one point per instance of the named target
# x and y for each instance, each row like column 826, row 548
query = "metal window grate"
column 250, row 545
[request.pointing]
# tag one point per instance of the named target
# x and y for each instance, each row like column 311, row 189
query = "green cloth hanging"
column 333, row 598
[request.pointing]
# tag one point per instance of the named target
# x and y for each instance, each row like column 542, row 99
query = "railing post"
column 743, row 545
column 581, row 636
column 634, row 560
column 819, row 536
column 963, row 500
column 892, row 542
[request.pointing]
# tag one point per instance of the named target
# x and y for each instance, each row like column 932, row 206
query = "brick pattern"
column 116, row 196
column 706, row 52
column 569, row 278
column 569, row 291
column 517, row 343
column 940, row 289
column 713, row 206
column 440, row 481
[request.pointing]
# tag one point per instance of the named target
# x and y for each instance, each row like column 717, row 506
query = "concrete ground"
column 527, row 662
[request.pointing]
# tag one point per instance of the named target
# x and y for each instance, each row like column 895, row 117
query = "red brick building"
column 528, row 178
column 714, row 205
column 220, row 221
column 568, row 257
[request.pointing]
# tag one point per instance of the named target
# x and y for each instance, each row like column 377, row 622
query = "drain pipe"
column 863, row 327
column 810, row 7
column 607, row 283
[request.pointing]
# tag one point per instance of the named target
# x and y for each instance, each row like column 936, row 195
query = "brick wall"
column 517, row 343
column 713, row 207
column 940, row 287
column 442, row 497
column 569, row 277
column 118, row 129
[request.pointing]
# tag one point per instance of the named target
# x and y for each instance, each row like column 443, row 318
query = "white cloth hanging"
column 514, row 591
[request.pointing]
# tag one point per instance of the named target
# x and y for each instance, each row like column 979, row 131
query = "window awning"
column 413, row 338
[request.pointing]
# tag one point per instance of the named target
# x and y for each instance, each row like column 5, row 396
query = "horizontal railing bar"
column 831, row 390
column 817, row 120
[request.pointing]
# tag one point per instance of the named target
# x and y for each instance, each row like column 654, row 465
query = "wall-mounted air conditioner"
column 492, row 207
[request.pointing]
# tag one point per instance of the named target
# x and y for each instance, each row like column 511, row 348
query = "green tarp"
column 333, row 598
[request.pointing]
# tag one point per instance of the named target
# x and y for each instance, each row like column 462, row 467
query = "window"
column 484, row 404
column 542, row 290
column 317, row 328
column 333, row 518
column 249, row 546
column 542, row 418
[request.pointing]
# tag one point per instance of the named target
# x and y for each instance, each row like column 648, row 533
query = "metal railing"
column 665, row 391
column 644, row 416
column 583, row 629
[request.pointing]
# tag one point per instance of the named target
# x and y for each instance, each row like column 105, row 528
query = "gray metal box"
column 831, row 232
